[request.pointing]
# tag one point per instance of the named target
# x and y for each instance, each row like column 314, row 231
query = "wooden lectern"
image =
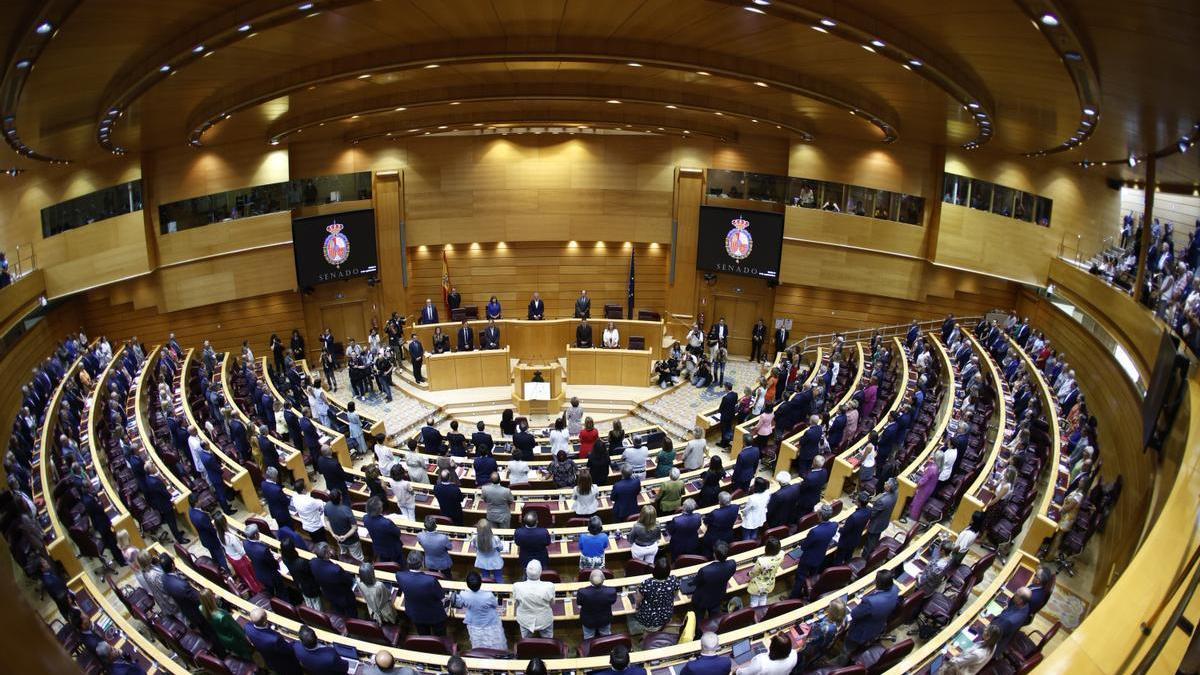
column 552, row 375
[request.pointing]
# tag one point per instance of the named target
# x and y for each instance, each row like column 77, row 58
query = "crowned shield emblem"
column 739, row 242
column 336, row 248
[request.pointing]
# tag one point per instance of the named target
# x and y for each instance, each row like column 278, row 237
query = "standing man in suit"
column 524, row 442
column 207, row 532
column 746, row 465
column 315, row 658
column 212, row 470
column 416, row 351
column 264, row 563
column 423, row 597
column 240, row 439
column 719, row 523
column 852, row 530
column 449, row 497
column 537, row 308
column 881, row 516
column 453, row 299
column 160, row 500
column 337, row 585
column 481, row 439
column 684, row 531
column 431, row 438
column 625, row 495
column 813, row 549
column 429, row 313
column 869, row 617
column 532, row 541
column 276, row 499
column 466, row 337
column 583, row 306
column 276, row 651
column 385, row 535
column 727, row 411
column 583, row 334
column 812, row 487
column 719, row 333
column 781, row 336
column 711, row 581
column 329, row 467
column 489, row 338
column 1015, row 615
column 186, row 598
column 758, row 337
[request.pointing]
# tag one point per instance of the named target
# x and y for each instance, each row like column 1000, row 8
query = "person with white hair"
column 710, row 659
column 534, row 601
column 694, row 450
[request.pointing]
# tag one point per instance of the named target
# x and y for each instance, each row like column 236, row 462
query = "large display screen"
column 334, row 247
column 749, row 243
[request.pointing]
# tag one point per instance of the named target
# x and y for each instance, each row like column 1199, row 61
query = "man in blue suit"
column 837, row 428
column 532, row 541
column 266, row 567
column 337, row 585
column 812, row 551
column 709, row 597
column 781, row 506
column 276, row 651
column 852, row 530
column 416, row 352
column 431, row 438
column 429, row 313
column 684, row 531
column 720, row 523
column 625, row 495
column 207, row 532
column 211, row 466
column 1039, row 591
column 240, row 439
column 727, row 411
column 270, row 452
column 811, row 488
column 449, row 498
column 312, row 437
column 710, row 661
column 480, row 438
column 913, row 332
column 160, row 500
column 317, row 659
column 329, row 467
column 1015, row 615
column 466, row 337
column 746, row 464
column 385, row 535
column 423, row 597
column 869, row 617
column 809, row 444
column 186, row 598
column 276, row 499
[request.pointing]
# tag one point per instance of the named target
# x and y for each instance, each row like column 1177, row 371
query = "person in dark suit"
column 583, row 307
column 481, row 439
column 781, row 506
column 240, row 439
column 276, row 651
column 466, row 337
column 524, row 443
column 1014, row 616
column 329, row 467
column 719, row 523
column 710, row 661
column 431, row 438
column 947, row 327
column 453, row 299
column 583, row 335
column 595, row 606
column 727, row 412
column 385, row 535
column 758, row 337
column 881, row 516
column 416, row 352
column 809, row 444
column 812, row 487
column 270, row 453
column 212, row 471
column 684, row 531
column 813, row 550
column 625, row 495
column 277, row 500
column 869, row 617
column 719, row 333
column 315, row 658
column 489, row 338
column 709, row 597
column 532, row 541
column 160, row 500
column 1040, row 591
column 851, row 534
column 423, row 597
column 429, row 313
column 266, row 566
column 449, row 498
column 186, row 598
column 781, row 336
column 312, row 437
column 537, row 308
column 207, row 532
column 746, row 465
column 336, row 584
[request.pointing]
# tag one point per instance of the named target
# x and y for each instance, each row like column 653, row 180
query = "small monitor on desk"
column 612, row 311
column 644, row 315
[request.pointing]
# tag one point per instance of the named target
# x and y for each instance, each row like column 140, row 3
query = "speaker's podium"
column 538, row 389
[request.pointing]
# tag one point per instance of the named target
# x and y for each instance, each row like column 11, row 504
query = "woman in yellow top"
column 762, row 576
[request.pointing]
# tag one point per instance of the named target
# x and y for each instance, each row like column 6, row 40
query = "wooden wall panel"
column 180, row 173
column 857, row 231
column 900, row 167
column 228, row 277
column 100, row 253
column 17, row 299
column 226, row 324
column 512, row 272
column 681, row 295
column 218, row 238
column 1116, row 405
column 15, row 371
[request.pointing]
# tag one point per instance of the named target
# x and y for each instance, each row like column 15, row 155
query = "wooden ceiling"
column 340, row 69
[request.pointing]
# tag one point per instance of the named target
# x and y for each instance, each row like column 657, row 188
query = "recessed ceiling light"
column 23, row 64
column 1184, row 144
column 703, row 72
column 760, row 84
column 364, row 76
column 243, row 28
column 672, row 107
column 208, row 53
column 869, row 48
column 879, row 43
column 828, row 22
column 442, row 126
column 1049, row 19
column 905, row 66
column 719, row 113
column 633, row 64
column 305, row 7
column 164, row 69
column 274, row 141
column 819, row 29
column 756, row 10
column 915, row 63
column 456, row 103
column 43, row 28
column 400, row 109
column 477, row 124
column 354, row 117
column 661, row 129
column 197, row 49
column 1089, row 111
column 973, row 105
column 762, row 2
column 1073, row 56
column 686, row 131
column 432, row 65
column 114, row 111
column 1133, row 160
column 613, row 100
column 755, row 121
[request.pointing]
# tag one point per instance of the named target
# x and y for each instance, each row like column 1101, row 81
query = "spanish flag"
column 445, row 285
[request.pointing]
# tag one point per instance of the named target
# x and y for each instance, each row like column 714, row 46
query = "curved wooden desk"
column 908, row 486
column 979, row 493
column 292, row 458
column 123, row 520
column 467, row 370
column 335, row 439
column 545, row 341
